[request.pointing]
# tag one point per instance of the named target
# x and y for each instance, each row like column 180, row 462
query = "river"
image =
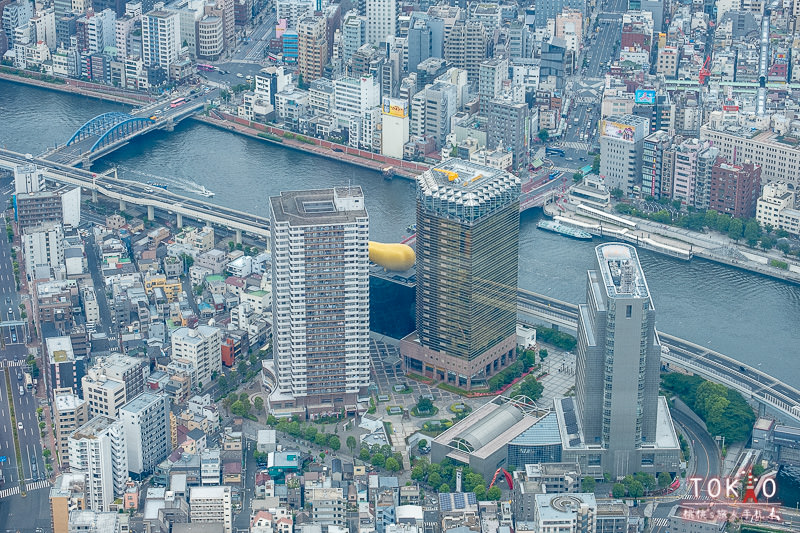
column 746, row 316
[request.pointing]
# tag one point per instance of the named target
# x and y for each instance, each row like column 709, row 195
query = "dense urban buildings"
column 320, row 292
column 467, row 246
column 98, row 450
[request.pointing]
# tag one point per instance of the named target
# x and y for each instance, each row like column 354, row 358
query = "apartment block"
column 98, row 450
column 202, row 347
column 621, row 143
column 112, row 382
column 777, row 207
column 312, row 47
column 211, row 505
column 146, row 423
column 69, row 413
column 67, row 494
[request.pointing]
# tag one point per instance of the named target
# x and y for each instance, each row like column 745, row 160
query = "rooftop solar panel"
column 471, row 498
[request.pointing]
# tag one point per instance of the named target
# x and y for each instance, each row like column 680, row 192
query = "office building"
column 685, row 171
column 617, row 369
column 62, row 206
column 112, row 382
column 548, row 10
column 95, row 31
column 312, row 47
column 70, row 412
column 354, row 34
column 735, row 188
column 160, row 38
column 43, row 246
column 67, row 494
column 777, row 207
column 355, row 96
column 146, row 423
column 467, row 245
column 381, row 20
column 211, row 505
column 432, row 109
column 320, row 258
column 706, row 158
column 743, row 138
column 466, row 46
column 395, row 126
column 98, row 450
column 621, row 143
column 66, row 368
column 491, row 75
column 653, row 153
column 509, row 127
column 202, row 347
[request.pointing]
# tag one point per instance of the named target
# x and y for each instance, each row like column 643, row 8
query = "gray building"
column 548, row 9
column 431, row 110
column 621, row 143
column 702, row 184
column 509, row 124
column 618, row 364
column 653, row 153
column 425, row 38
column 146, row 423
column 467, row 245
column 491, row 75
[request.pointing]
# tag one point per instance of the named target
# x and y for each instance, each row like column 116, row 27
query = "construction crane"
column 704, row 72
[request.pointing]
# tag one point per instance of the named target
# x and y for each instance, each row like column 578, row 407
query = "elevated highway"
column 714, row 366
column 136, row 193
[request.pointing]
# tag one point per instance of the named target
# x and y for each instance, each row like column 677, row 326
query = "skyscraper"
column 381, row 20
column 618, row 360
column 320, row 291
column 467, row 243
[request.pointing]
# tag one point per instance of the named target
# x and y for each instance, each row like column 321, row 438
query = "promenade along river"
column 746, row 316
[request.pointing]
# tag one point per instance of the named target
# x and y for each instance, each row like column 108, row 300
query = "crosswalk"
column 577, row 145
column 659, row 522
column 5, row 493
column 13, row 363
column 37, row 485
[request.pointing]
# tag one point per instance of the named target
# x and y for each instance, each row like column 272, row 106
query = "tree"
column 531, row 388
column 46, row 454
column 735, row 229
column 258, row 403
column 444, row 487
column 617, row 193
column 543, row 353
column 577, row 177
column 676, row 204
column 310, row 433
column 618, row 490
column 392, row 465
column 334, row 443
column 596, row 164
column 351, row 443
column 752, row 232
column 434, row 479
column 768, row 242
column 635, row 489
column 241, row 368
column 238, row 408
column 363, row 454
column 543, row 135
column 494, row 493
column 424, row 405
column 480, row 492
column 588, row 484
column 378, row 460
column 664, row 480
column 710, row 219
column 422, row 444
column 225, row 95
column 321, row 439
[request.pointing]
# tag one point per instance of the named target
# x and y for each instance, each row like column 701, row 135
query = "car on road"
column 19, row 426
column 8, row 299
column 13, row 337
column 148, row 189
column 166, row 108
column 21, row 392
column 19, row 375
column 239, row 75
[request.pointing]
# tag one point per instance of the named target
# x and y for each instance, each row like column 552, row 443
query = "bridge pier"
column 169, row 126
column 179, row 221
column 151, row 212
column 86, row 163
column 238, row 236
column 94, row 196
column 122, row 205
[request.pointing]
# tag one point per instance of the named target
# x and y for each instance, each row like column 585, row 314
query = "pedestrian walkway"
column 5, row 493
column 659, row 522
column 37, row 485
column 20, row 362
column 577, row 145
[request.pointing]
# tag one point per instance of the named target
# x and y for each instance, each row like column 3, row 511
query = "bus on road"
column 554, row 151
column 28, row 381
column 206, row 68
column 177, row 102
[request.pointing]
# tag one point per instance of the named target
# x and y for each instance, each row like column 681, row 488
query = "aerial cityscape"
column 400, row 266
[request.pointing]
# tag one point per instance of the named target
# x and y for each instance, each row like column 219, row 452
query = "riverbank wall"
column 682, row 244
column 339, row 152
column 90, row 90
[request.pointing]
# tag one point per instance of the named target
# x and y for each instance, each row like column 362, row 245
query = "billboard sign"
column 617, row 130
column 644, row 96
column 395, row 107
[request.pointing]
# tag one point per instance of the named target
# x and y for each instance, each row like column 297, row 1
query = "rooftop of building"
column 465, row 182
column 141, row 402
column 209, row 491
column 68, row 401
column 88, row 520
column 338, row 205
column 621, row 271
column 59, row 349
column 556, row 506
column 68, row 484
column 93, row 428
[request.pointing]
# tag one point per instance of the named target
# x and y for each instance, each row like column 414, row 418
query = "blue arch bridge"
column 108, row 128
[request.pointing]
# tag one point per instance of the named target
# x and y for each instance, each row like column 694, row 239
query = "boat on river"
column 563, row 229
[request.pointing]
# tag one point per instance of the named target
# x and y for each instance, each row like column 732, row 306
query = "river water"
column 749, row 317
